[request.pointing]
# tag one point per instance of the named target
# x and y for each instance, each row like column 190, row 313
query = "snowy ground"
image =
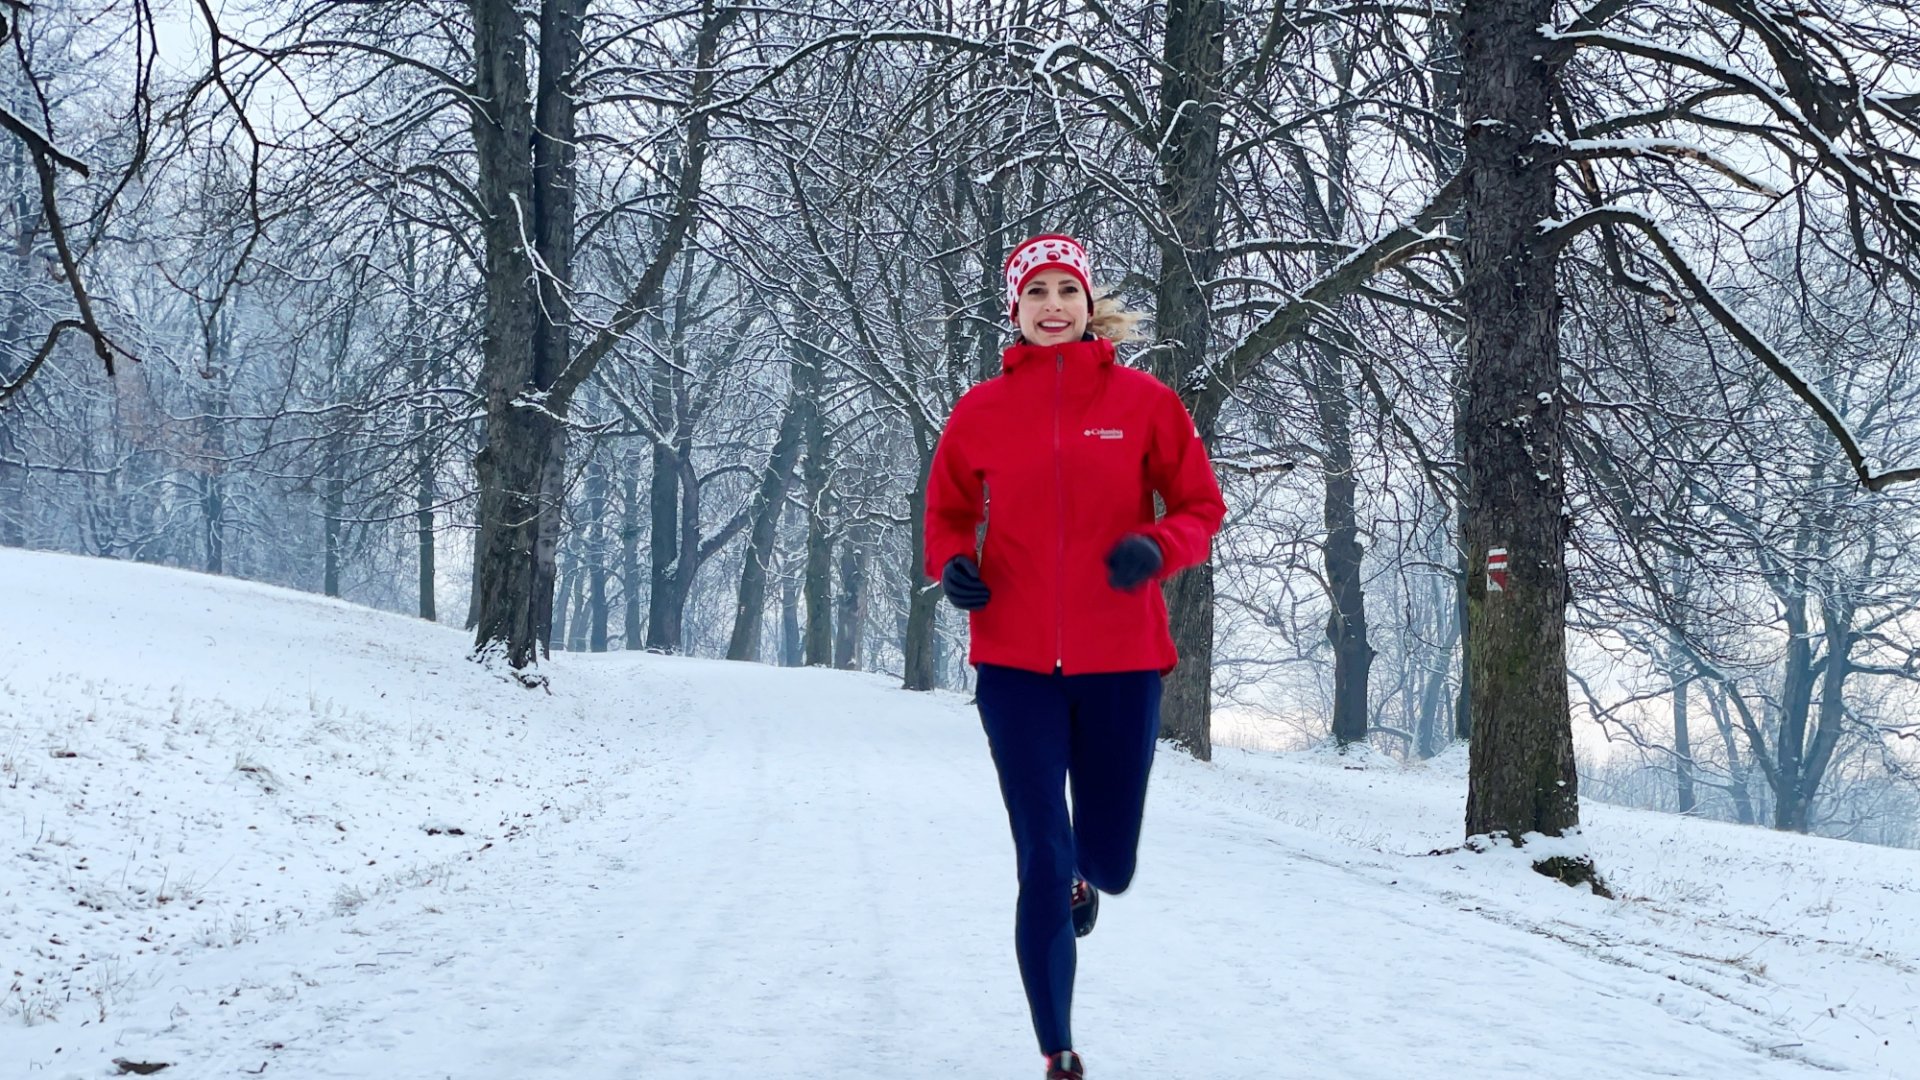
column 253, row 832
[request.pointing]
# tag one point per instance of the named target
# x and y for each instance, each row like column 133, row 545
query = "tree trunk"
column 525, row 339
column 663, row 614
column 557, row 628
column 574, row 605
column 1682, row 743
column 1447, row 153
column 1736, row 765
column 1347, row 621
column 1838, row 619
column 634, row 637
column 750, row 608
column 790, row 654
column 424, row 495
column 1188, row 193
column 1796, row 702
column 1463, row 697
column 334, row 504
column 819, row 560
column 851, row 619
column 1433, row 697
column 597, row 485
column 1522, row 777
column 923, row 597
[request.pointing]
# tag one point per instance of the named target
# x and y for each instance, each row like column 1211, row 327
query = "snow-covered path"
column 687, row 869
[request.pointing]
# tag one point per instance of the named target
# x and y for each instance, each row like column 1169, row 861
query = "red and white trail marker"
column 1496, row 569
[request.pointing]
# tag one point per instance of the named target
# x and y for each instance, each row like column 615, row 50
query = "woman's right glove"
column 961, row 582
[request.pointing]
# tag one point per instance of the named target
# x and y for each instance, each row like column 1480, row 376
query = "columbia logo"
column 1104, row 433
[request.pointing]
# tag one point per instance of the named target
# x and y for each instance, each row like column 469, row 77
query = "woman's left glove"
column 1132, row 561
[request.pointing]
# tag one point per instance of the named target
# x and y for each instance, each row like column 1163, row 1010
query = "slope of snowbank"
column 254, row 832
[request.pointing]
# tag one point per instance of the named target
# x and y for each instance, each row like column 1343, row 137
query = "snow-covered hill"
column 252, row 832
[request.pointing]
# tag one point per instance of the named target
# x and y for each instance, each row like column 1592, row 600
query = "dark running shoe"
column 1066, row 1065
column 1086, row 907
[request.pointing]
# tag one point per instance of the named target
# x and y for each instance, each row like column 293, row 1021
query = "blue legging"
column 1096, row 734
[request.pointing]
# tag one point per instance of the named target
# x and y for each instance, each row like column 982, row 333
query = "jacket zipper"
column 1060, row 519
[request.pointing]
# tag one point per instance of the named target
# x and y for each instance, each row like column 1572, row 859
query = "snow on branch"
column 1667, row 150
column 45, row 156
column 1291, row 318
column 39, row 143
column 1816, row 116
column 1559, row 233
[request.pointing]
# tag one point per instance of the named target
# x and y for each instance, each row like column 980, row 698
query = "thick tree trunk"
column 1838, row 619
column 663, row 612
column 525, row 340
column 1522, row 777
column 1189, row 195
column 923, row 597
column 1796, row 703
column 1186, row 707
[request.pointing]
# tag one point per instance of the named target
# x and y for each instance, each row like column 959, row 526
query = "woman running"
column 1062, row 455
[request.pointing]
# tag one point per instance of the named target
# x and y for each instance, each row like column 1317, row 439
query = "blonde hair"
column 1112, row 320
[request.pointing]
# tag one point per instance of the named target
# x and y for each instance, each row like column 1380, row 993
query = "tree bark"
column 423, row 513
column 334, row 504
column 633, row 637
column 1522, row 777
column 1188, row 194
column 851, row 618
column 597, row 489
column 1443, row 601
column 750, row 607
column 923, row 597
column 790, row 654
column 1682, row 744
column 1736, row 766
column 664, row 554
column 816, row 472
column 1347, row 621
column 1796, row 703
column 526, row 329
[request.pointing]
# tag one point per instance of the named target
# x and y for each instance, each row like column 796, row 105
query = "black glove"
column 1132, row 561
column 961, row 582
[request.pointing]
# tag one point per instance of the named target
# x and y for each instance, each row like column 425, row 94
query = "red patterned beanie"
column 1052, row 251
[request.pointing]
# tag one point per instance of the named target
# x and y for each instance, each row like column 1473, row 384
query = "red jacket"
column 1062, row 455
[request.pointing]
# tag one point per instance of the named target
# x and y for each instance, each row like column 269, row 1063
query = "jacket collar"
column 1098, row 351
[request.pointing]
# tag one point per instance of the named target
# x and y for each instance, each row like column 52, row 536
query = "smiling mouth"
column 1056, row 327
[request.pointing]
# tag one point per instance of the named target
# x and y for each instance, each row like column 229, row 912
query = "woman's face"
column 1054, row 308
